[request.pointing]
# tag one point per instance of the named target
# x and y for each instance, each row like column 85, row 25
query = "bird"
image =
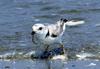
column 47, row 38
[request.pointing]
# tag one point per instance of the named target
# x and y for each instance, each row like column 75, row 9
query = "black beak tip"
column 32, row 33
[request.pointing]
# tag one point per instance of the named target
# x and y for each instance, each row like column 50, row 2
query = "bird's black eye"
column 40, row 28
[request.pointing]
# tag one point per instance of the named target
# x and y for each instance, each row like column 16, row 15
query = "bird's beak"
column 33, row 32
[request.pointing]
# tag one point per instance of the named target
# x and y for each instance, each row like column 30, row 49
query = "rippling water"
column 18, row 16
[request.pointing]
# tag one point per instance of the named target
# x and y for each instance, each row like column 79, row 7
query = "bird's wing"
column 55, row 30
column 74, row 22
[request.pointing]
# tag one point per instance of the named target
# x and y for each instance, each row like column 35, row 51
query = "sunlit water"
column 81, row 42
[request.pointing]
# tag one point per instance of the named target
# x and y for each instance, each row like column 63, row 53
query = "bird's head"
column 39, row 29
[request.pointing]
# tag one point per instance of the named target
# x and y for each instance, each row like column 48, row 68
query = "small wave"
column 86, row 56
column 16, row 55
column 79, row 11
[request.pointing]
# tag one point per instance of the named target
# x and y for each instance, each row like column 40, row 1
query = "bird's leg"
column 62, row 47
column 45, row 53
column 47, row 47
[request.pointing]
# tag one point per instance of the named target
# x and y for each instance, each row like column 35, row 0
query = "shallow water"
column 28, row 64
column 18, row 16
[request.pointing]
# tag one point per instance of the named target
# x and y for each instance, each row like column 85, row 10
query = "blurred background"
column 18, row 16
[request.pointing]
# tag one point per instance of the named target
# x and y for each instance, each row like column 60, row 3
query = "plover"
column 48, row 37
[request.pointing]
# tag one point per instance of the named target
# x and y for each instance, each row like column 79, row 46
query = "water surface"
column 18, row 16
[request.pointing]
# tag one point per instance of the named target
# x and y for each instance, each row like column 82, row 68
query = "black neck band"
column 47, row 34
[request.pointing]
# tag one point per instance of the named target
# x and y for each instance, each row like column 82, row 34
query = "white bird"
column 48, row 36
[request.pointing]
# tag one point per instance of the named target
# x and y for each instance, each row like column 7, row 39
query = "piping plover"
column 48, row 36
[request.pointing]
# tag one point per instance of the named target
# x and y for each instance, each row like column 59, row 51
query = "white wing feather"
column 74, row 23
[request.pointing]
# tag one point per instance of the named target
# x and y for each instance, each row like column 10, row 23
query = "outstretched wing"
column 74, row 22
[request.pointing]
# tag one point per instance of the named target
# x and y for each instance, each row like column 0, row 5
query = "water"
column 18, row 16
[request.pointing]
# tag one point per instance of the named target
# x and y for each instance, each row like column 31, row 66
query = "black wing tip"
column 63, row 19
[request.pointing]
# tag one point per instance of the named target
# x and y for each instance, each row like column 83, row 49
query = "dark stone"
column 73, row 65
